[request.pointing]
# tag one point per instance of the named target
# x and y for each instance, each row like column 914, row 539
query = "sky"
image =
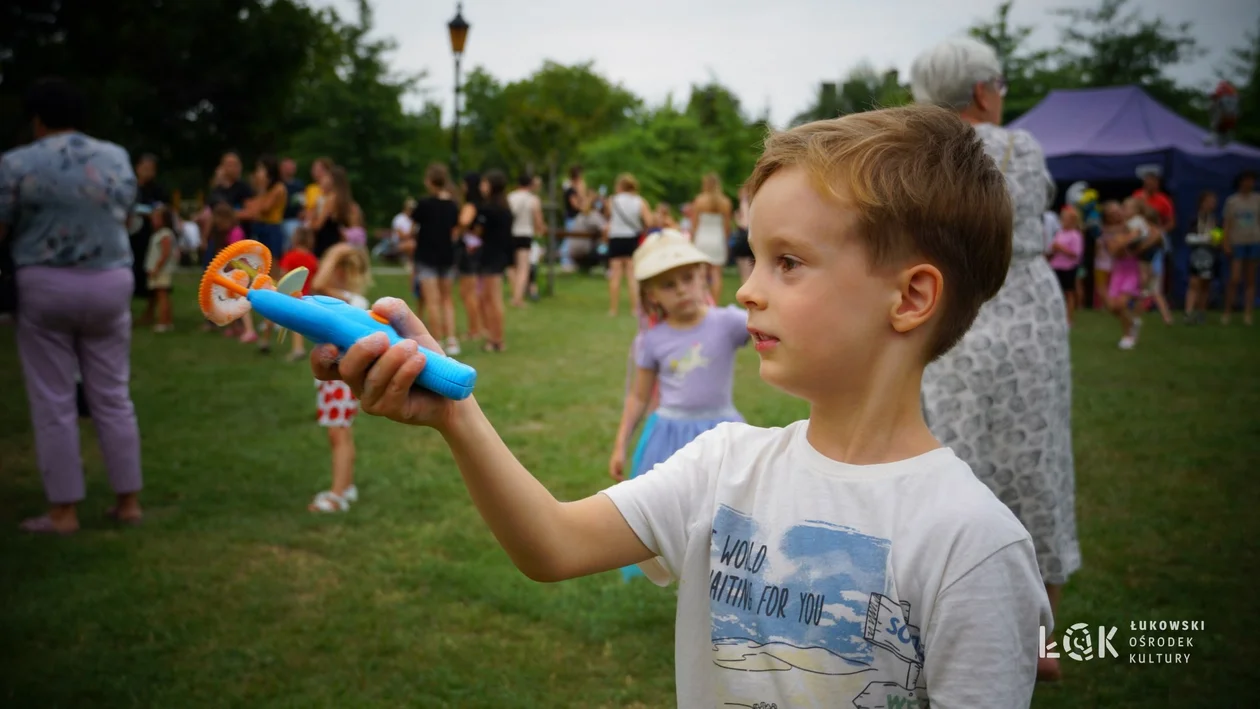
column 772, row 55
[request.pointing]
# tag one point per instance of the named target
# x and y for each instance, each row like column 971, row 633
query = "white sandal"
column 326, row 501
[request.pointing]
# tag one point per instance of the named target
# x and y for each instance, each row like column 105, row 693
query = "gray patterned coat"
column 1002, row 398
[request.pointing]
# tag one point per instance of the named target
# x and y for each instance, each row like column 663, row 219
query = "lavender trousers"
column 78, row 321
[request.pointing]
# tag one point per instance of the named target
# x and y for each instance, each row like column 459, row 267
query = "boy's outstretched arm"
column 548, row 540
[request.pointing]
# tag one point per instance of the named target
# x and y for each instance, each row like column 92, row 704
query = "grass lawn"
column 232, row 595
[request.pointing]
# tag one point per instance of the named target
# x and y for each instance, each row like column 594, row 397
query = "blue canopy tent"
column 1103, row 135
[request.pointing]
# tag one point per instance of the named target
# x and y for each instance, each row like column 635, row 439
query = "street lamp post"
column 459, row 33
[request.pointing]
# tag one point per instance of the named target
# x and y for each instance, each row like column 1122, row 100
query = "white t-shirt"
column 402, row 224
column 190, row 236
column 522, row 203
column 806, row 582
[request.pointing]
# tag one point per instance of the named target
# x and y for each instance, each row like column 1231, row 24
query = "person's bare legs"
column 446, row 286
column 1156, row 289
column 341, row 442
column 1235, row 278
column 1048, row 669
column 1069, row 299
column 520, row 278
column 616, row 266
column 1102, row 281
column 247, row 322
column 164, row 316
column 1124, row 313
column 1249, row 269
column 298, row 350
column 492, row 298
column 433, row 310
column 472, row 306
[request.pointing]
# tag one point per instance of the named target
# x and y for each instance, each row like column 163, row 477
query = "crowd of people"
column 1131, row 242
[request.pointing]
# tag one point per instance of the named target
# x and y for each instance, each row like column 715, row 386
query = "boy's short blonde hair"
column 923, row 187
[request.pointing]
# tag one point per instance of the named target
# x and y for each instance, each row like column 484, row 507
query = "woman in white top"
column 628, row 217
column 713, row 223
column 526, row 222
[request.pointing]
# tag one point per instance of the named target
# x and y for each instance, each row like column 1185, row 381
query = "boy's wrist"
column 461, row 418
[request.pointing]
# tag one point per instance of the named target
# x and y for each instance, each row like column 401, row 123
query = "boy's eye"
column 787, row 263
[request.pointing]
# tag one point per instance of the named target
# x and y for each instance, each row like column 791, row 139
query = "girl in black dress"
column 468, row 257
column 495, row 218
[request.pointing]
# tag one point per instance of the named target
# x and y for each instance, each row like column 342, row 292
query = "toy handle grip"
column 323, row 319
column 443, row 375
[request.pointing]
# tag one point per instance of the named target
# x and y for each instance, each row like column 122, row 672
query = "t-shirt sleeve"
column 645, row 355
column 981, row 646
column 664, row 505
column 1231, row 204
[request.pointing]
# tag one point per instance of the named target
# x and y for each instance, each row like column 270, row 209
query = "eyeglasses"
column 999, row 84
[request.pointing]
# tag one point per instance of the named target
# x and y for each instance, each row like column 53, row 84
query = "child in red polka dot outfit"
column 343, row 273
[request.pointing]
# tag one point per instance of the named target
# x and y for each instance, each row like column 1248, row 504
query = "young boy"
column 846, row 560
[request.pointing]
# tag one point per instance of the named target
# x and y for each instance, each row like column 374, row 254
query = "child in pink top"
column 1065, row 255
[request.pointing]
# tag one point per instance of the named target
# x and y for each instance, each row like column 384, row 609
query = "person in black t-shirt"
column 149, row 194
column 228, row 186
column 436, row 218
column 495, row 219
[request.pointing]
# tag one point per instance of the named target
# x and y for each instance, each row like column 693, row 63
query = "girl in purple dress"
column 689, row 353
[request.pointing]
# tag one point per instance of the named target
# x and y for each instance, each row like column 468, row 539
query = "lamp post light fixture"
column 458, row 28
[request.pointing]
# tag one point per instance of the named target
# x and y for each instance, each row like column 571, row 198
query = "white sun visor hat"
column 1149, row 169
column 665, row 250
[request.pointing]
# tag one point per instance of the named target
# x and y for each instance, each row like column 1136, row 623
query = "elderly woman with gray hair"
column 1002, row 399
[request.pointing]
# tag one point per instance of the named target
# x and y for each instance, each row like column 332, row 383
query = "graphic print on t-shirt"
column 810, row 602
column 693, row 360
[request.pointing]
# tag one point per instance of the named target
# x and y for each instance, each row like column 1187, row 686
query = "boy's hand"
column 382, row 377
column 617, row 465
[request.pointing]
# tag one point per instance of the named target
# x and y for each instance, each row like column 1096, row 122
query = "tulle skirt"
column 664, row 433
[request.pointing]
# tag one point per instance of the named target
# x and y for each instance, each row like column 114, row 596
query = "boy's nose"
column 750, row 294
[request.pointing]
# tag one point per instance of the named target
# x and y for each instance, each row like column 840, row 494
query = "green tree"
column 549, row 114
column 862, row 89
column 350, row 109
column 157, row 76
column 732, row 140
column 1110, row 45
column 484, row 109
column 1245, row 74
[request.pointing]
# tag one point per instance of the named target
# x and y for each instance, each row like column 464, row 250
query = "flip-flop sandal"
column 42, row 525
column 112, row 514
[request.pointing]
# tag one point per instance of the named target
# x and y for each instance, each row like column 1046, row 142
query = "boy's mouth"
column 762, row 341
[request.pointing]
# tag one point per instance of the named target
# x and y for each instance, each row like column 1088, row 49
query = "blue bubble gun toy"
column 236, row 282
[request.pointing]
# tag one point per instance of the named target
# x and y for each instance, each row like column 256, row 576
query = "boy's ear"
column 919, row 289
